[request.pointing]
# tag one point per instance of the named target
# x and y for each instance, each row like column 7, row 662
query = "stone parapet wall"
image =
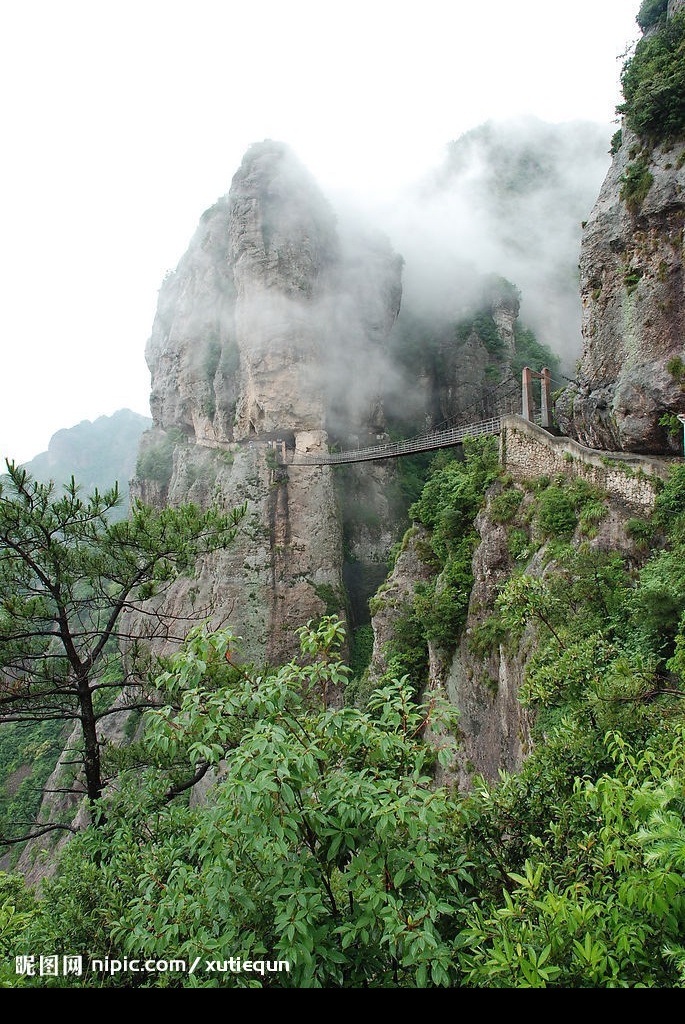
column 528, row 451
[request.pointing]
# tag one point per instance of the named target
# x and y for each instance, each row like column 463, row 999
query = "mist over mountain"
column 419, row 718
column 510, row 200
column 97, row 453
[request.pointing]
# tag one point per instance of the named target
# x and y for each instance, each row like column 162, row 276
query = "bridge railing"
column 423, row 443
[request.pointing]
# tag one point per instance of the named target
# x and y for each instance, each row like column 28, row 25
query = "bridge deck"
column 423, row 443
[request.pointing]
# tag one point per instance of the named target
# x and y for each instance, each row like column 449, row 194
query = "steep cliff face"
column 494, row 730
column 630, row 376
column 456, row 360
column 272, row 329
column 481, row 666
column 633, row 312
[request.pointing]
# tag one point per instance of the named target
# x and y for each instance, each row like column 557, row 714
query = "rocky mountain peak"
column 273, row 328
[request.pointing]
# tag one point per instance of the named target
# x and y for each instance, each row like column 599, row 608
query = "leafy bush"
column 556, row 515
column 322, row 843
column 635, row 184
column 670, row 422
column 651, row 13
column 518, row 543
column 641, row 531
column 653, row 82
column 505, row 505
column 591, row 513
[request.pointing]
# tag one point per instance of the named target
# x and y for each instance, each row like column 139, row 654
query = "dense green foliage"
column 653, row 81
column 636, row 183
column 651, row 13
column 322, row 845
column 325, row 842
column 447, row 508
column 69, row 576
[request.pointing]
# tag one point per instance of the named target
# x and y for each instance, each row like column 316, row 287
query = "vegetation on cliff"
column 653, row 79
column 651, row 13
column 324, row 842
column 447, row 507
column 70, row 578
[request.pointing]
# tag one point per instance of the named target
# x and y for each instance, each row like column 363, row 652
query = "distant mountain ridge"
column 97, row 453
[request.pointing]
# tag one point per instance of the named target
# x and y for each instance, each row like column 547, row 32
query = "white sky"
column 123, row 121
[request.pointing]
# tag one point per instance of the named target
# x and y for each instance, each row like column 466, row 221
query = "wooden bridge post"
column 546, row 398
column 527, row 394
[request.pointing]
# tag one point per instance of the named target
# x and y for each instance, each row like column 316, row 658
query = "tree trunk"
column 91, row 747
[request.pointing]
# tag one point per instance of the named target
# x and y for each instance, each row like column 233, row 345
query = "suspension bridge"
column 503, row 399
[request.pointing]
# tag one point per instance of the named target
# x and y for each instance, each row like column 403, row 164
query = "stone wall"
column 526, row 450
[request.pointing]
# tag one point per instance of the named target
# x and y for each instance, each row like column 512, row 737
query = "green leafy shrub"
column 505, row 505
column 635, row 184
column 321, row 845
column 519, row 545
column 556, row 516
column 676, row 369
column 670, row 422
column 590, row 515
column 651, row 13
column 653, row 81
column 641, row 531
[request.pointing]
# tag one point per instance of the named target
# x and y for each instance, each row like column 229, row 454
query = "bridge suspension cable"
column 502, row 396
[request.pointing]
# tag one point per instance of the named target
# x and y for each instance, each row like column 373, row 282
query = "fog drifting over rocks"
column 509, row 199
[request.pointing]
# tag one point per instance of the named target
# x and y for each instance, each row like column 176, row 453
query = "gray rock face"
column 494, row 731
column 272, row 328
column 282, row 244
column 494, row 727
column 395, row 597
column 630, row 375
